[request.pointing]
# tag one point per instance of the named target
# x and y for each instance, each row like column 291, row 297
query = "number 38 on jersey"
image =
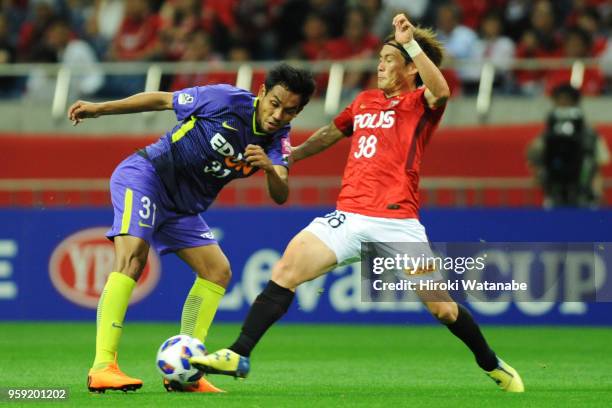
column 366, row 147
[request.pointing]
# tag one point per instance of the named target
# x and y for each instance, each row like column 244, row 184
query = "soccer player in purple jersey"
column 158, row 194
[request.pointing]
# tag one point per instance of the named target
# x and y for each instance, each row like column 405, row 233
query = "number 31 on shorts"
column 367, row 147
column 145, row 213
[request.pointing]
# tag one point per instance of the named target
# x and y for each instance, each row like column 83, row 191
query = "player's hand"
column 81, row 110
column 256, row 156
column 404, row 30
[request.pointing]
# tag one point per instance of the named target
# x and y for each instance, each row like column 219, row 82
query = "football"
column 173, row 359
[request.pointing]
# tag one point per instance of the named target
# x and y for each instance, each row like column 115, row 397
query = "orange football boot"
column 111, row 378
column 202, row 385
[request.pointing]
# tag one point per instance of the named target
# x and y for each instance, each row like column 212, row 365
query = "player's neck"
column 390, row 93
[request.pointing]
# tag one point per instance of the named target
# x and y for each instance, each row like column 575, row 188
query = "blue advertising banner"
column 53, row 265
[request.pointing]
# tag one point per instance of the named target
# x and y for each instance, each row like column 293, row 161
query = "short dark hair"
column 296, row 80
column 580, row 33
column 60, row 22
column 456, row 11
column 568, row 91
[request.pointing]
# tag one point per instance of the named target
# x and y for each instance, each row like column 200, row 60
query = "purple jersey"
column 206, row 150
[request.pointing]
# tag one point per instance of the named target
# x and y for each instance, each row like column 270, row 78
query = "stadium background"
column 476, row 184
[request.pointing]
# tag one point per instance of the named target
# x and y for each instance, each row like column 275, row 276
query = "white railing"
column 245, row 70
column 465, row 190
column 461, row 187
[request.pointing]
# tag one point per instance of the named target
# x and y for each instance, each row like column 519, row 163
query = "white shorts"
column 344, row 232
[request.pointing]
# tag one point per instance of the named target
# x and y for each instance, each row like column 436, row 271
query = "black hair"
column 581, row 33
column 362, row 12
column 591, row 12
column 296, row 80
column 456, row 11
column 60, row 21
column 493, row 15
column 568, row 91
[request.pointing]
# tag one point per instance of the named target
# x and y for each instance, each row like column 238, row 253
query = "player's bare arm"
column 277, row 177
column 277, row 182
column 320, row 140
column 437, row 92
column 141, row 102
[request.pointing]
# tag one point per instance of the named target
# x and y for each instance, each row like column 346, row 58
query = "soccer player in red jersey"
column 378, row 202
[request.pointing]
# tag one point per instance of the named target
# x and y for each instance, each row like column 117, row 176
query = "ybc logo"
column 383, row 120
column 80, row 264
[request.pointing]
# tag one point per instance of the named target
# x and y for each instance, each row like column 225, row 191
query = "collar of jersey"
column 401, row 95
column 255, row 101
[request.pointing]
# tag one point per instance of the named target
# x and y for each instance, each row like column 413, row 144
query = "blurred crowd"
column 500, row 31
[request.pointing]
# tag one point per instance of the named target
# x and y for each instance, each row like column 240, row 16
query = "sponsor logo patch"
column 185, row 99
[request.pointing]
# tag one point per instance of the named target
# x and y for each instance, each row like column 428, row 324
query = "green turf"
column 326, row 365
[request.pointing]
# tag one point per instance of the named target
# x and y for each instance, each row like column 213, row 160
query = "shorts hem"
column 195, row 245
column 327, row 243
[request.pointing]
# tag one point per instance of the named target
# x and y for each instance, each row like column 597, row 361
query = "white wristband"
column 412, row 48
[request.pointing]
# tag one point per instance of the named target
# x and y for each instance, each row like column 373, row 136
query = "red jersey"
column 136, row 37
column 381, row 177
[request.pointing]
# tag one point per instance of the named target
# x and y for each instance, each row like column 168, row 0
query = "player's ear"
column 411, row 69
column 262, row 91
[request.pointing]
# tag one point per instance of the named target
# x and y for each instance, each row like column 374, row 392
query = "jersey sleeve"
column 278, row 151
column 197, row 101
column 424, row 101
column 344, row 120
column 434, row 115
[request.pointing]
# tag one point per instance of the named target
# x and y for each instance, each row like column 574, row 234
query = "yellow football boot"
column 225, row 361
column 506, row 377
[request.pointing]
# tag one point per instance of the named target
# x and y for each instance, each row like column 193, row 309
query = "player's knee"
column 445, row 312
column 219, row 274
column 131, row 265
column 286, row 274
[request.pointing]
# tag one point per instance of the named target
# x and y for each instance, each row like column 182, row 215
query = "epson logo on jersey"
column 221, row 145
column 383, row 120
column 184, row 99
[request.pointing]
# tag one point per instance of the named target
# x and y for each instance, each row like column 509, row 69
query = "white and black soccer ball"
column 173, row 359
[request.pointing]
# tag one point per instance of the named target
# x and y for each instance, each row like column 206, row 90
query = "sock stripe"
column 190, row 314
column 99, row 311
column 200, row 308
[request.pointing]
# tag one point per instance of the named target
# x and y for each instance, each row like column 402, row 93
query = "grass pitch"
column 324, row 365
